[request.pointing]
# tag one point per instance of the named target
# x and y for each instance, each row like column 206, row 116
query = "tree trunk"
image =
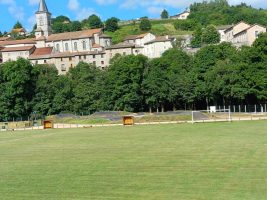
column 207, row 101
column 157, row 109
column 150, row 110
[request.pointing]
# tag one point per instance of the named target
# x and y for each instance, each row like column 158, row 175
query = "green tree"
column 17, row 25
column 87, row 91
column 210, row 35
column 61, row 19
column 75, row 26
column 156, row 84
column 45, row 77
column 112, row 24
column 179, row 63
column 62, row 100
column 16, row 89
column 164, row 14
column 95, row 22
column 1, row 34
column 145, row 25
column 197, row 38
column 124, row 83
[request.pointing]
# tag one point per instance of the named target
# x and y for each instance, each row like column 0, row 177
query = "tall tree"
column 16, row 89
column 87, row 92
column 17, row 25
column 45, row 77
column 210, row 35
column 164, row 14
column 112, row 24
column 95, row 22
column 124, row 83
column 156, row 84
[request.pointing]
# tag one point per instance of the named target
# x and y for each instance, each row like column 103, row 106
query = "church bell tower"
column 43, row 19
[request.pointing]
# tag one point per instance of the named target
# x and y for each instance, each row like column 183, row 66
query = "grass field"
column 218, row 161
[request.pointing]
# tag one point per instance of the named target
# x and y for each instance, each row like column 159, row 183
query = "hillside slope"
column 159, row 27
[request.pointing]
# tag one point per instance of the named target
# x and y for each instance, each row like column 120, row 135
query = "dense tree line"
column 217, row 74
column 219, row 12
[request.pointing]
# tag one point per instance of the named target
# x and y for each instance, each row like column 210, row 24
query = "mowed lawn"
column 226, row 161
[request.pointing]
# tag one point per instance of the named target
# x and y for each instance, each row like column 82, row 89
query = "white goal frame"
column 209, row 111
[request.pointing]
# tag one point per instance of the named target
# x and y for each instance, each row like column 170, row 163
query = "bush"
column 145, row 25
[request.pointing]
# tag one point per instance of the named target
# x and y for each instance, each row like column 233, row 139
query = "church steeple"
column 43, row 19
column 42, row 6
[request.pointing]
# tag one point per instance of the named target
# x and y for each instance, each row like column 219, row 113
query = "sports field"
column 226, row 161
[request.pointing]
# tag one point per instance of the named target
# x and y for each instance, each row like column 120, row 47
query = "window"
column 84, row 57
column 36, row 62
column 61, row 59
column 71, row 65
column 93, row 56
column 80, row 57
column 94, row 62
column 57, row 47
column 84, row 45
column 102, row 62
column 44, row 61
column 63, row 68
column 41, row 21
column 66, row 47
column 256, row 34
column 107, row 43
column 75, row 46
column 102, row 55
column 70, row 58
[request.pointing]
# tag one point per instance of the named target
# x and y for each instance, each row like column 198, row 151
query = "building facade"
column 242, row 34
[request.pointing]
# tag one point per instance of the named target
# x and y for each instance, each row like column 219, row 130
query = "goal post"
column 211, row 116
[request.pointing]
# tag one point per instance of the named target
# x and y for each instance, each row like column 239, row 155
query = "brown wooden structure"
column 48, row 124
column 128, row 120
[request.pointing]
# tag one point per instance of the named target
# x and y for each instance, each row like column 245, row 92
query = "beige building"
column 146, row 44
column 242, row 34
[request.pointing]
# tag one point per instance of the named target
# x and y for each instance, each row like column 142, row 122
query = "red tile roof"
column 23, row 48
column 41, row 53
column 14, row 42
column 134, row 37
column 73, row 35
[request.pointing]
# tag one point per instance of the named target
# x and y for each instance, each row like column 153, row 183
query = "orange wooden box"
column 128, row 120
column 48, row 124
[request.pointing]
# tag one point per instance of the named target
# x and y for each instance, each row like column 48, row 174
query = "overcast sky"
column 23, row 10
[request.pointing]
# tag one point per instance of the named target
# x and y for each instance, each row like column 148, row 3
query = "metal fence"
column 244, row 108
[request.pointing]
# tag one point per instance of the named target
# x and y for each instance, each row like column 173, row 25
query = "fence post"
column 239, row 109
column 245, row 108
column 265, row 107
column 234, row 108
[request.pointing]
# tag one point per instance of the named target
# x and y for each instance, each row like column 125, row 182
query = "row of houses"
column 66, row 50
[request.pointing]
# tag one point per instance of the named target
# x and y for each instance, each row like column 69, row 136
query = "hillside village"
column 66, row 50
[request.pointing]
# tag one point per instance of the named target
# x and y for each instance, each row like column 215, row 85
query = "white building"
column 146, row 44
column 181, row 16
